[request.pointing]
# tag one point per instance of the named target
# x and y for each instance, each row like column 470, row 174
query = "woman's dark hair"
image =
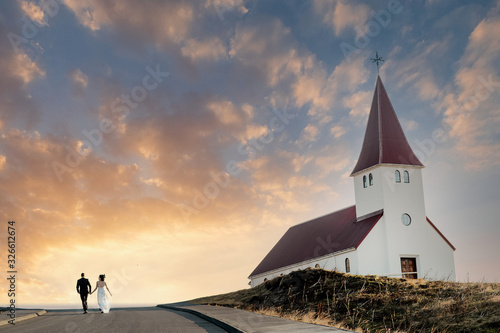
column 102, row 276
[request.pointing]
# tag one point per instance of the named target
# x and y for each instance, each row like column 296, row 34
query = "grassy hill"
column 372, row 303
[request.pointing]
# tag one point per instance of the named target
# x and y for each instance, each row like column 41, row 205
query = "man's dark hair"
column 83, row 274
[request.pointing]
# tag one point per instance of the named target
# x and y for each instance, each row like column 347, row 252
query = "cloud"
column 272, row 185
column 292, row 71
column 159, row 23
column 471, row 112
column 310, row 133
column 359, row 105
column 344, row 80
column 210, row 50
column 331, row 159
column 79, row 81
column 185, row 149
column 291, row 182
column 341, row 15
column 268, row 47
column 18, row 70
column 417, row 67
column 79, row 78
column 309, row 88
column 409, row 125
column 34, row 12
column 24, row 68
column 224, row 7
column 337, row 131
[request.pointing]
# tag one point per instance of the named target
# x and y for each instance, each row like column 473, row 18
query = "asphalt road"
column 120, row 320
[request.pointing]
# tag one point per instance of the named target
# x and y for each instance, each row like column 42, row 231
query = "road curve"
column 120, row 320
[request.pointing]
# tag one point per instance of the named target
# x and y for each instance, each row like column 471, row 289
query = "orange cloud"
column 34, row 12
column 158, row 22
column 211, row 49
column 24, row 68
column 341, row 15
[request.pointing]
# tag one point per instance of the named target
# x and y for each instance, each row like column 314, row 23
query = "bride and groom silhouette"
column 84, row 288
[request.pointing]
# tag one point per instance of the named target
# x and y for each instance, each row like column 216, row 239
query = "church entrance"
column 409, row 268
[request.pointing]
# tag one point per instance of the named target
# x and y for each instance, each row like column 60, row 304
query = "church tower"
column 388, row 178
column 388, row 174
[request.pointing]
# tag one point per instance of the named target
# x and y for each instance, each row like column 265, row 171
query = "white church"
column 386, row 232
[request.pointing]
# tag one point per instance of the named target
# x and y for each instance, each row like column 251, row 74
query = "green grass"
column 372, row 303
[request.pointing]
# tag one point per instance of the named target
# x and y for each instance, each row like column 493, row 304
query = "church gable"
column 325, row 235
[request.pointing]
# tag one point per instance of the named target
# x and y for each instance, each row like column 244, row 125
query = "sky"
column 170, row 144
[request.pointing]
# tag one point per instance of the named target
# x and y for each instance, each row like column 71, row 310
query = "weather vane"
column 376, row 60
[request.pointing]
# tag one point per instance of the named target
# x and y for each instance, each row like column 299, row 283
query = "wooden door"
column 409, row 266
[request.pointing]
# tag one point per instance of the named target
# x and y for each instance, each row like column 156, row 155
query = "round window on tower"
column 406, row 219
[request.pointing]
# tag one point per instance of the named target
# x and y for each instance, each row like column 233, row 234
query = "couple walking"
column 83, row 288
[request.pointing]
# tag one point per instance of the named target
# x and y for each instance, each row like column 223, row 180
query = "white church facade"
column 387, row 232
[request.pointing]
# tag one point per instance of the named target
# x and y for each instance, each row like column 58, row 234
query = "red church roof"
column 384, row 142
column 324, row 235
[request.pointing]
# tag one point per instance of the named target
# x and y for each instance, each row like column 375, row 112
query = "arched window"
column 370, row 179
column 406, row 176
column 317, row 266
column 398, row 176
column 347, row 265
column 364, row 181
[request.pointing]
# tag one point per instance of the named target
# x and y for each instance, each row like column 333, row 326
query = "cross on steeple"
column 376, row 60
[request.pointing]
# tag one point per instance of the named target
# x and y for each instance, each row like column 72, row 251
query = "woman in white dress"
column 102, row 299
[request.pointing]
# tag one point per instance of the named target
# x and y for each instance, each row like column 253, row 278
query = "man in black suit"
column 83, row 288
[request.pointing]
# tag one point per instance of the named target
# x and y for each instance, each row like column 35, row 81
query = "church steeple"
column 385, row 141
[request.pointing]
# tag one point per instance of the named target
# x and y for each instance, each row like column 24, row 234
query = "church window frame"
column 397, row 174
column 406, row 176
column 364, row 181
column 347, row 265
column 370, row 179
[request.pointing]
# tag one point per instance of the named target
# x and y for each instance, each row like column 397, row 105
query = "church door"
column 409, row 266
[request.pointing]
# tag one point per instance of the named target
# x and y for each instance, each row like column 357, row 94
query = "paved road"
column 119, row 320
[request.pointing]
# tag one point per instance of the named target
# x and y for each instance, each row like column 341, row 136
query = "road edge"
column 29, row 316
column 221, row 324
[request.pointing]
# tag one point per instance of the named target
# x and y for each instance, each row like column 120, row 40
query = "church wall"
column 372, row 252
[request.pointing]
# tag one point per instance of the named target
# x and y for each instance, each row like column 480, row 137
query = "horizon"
column 170, row 145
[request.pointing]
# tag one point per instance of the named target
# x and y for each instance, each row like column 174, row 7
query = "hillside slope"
column 372, row 303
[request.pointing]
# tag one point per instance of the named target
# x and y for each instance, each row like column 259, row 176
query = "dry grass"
column 372, row 303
